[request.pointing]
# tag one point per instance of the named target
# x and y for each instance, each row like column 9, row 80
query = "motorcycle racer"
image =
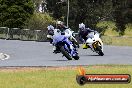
column 58, row 37
column 67, row 32
column 84, row 34
column 50, row 33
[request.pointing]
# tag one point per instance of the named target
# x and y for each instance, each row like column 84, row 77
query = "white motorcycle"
column 95, row 43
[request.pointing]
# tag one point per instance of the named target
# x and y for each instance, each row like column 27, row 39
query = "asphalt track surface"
column 31, row 53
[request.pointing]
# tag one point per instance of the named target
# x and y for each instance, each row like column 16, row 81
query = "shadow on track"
column 88, row 55
column 59, row 60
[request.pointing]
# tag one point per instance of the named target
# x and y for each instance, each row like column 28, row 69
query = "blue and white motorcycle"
column 64, row 45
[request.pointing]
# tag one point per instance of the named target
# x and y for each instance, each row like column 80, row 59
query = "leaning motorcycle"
column 65, row 46
column 95, row 43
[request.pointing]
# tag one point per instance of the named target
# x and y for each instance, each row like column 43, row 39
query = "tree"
column 14, row 13
column 57, row 8
column 91, row 12
column 121, row 14
column 39, row 21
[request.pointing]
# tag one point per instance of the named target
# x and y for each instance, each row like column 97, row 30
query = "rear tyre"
column 65, row 53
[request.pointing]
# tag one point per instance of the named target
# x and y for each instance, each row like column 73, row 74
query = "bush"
column 108, row 28
column 39, row 21
column 38, row 26
column 128, row 31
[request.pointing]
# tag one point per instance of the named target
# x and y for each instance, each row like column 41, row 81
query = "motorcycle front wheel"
column 65, row 53
column 99, row 51
column 76, row 57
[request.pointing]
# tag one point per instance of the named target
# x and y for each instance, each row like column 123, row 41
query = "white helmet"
column 50, row 27
column 82, row 26
column 59, row 23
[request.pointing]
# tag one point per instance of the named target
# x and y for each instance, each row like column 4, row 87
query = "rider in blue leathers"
column 58, row 37
column 67, row 32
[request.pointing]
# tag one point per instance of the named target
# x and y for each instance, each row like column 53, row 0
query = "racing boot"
column 55, row 50
column 85, row 46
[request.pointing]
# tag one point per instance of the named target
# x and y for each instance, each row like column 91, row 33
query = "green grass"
column 128, row 31
column 58, row 77
column 119, row 41
column 110, row 28
column 111, row 36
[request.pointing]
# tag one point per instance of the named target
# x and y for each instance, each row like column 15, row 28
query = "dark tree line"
column 14, row 13
column 92, row 11
column 122, row 14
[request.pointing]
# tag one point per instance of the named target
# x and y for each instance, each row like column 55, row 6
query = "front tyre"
column 76, row 57
column 65, row 53
column 99, row 51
